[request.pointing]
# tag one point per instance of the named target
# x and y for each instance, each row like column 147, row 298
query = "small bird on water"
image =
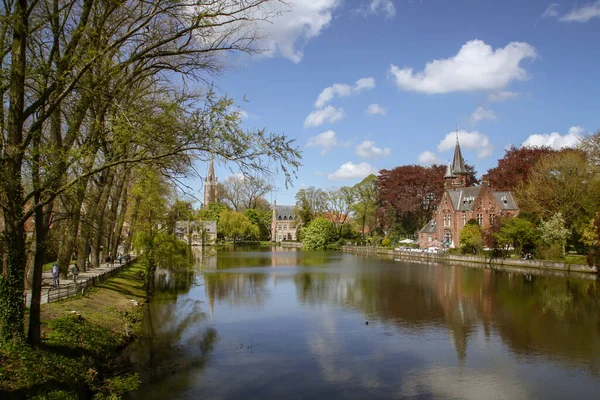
column 367, row 323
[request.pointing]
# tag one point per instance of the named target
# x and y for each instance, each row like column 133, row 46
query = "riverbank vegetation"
column 80, row 339
column 557, row 191
column 94, row 121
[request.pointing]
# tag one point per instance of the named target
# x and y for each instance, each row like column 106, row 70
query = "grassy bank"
column 81, row 336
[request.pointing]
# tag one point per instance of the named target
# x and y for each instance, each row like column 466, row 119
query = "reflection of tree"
column 553, row 316
column 247, row 289
column 172, row 343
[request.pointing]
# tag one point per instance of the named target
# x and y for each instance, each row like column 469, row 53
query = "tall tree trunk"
column 42, row 218
column 120, row 221
column 134, row 217
column 13, row 277
column 98, row 221
column 111, row 223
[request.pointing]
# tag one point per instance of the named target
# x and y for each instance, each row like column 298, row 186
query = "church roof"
column 464, row 198
column 458, row 163
column 285, row 212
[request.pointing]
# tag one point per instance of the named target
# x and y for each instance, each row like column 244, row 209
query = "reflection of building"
column 283, row 223
column 196, row 233
column 210, row 186
column 460, row 203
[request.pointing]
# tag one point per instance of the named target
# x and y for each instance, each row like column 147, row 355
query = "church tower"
column 210, row 186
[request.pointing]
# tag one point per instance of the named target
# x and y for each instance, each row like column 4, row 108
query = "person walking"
column 120, row 258
column 75, row 272
column 55, row 275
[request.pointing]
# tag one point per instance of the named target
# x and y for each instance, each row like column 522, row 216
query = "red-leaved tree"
column 515, row 166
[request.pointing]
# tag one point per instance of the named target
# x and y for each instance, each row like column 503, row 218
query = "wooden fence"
column 72, row 289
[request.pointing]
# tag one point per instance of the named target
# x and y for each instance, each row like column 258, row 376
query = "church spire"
column 211, row 171
column 449, row 174
column 458, row 163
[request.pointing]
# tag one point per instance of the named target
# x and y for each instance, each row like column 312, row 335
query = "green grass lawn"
column 80, row 335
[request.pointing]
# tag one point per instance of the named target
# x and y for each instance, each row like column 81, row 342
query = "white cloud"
column 468, row 140
column 481, row 114
column 327, row 140
column 328, row 115
column 374, row 109
column 497, row 97
column 428, row 158
column 364, row 83
column 476, row 67
column 343, row 90
column 555, row 139
column 551, row 11
column 367, row 149
column 377, row 7
column 350, row 170
column 296, row 22
column 583, row 13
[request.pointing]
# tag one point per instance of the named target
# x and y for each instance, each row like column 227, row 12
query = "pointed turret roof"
column 458, row 163
column 449, row 174
column 211, row 171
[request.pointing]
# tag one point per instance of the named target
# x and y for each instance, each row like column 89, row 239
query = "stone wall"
column 444, row 257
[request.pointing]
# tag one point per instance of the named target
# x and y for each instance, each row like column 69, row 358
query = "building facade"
column 197, row 233
column 460, row 203
column 283, row 223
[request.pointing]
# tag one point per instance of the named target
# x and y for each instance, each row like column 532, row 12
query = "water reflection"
column 174, row 343
column 434, row 330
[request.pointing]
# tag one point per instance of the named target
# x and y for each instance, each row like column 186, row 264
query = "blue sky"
column 364, row 85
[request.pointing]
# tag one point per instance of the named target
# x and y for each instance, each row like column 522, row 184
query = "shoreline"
column 82, row 339
column 496, row 263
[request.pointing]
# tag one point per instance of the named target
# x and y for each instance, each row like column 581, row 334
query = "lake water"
column 277, row 323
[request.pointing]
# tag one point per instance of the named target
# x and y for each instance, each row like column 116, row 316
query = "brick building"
column 460, row 203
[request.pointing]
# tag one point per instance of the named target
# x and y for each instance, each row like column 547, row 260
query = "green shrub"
column 385, row 242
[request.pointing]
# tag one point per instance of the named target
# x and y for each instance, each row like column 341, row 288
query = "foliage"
column 84, row 110
column 385, row 242
column 471, row 239
column 559, row 183
column 237, row 226
column 310, row 203
column 212, row 212
column 366, row 204
column 318, row 234
column 591, row 237
column 554, row 231
column 77, row 348
column 514, row 168
column 517, row 233
column 245, row 191
column 410, row 194
column 262, row 220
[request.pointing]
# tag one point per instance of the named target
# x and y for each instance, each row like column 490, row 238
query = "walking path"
column 63, row 283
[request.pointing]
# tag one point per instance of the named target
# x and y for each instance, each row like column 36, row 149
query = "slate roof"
column 506, row 200
column 464, row 198
column 429, row 228
column 285, row 212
